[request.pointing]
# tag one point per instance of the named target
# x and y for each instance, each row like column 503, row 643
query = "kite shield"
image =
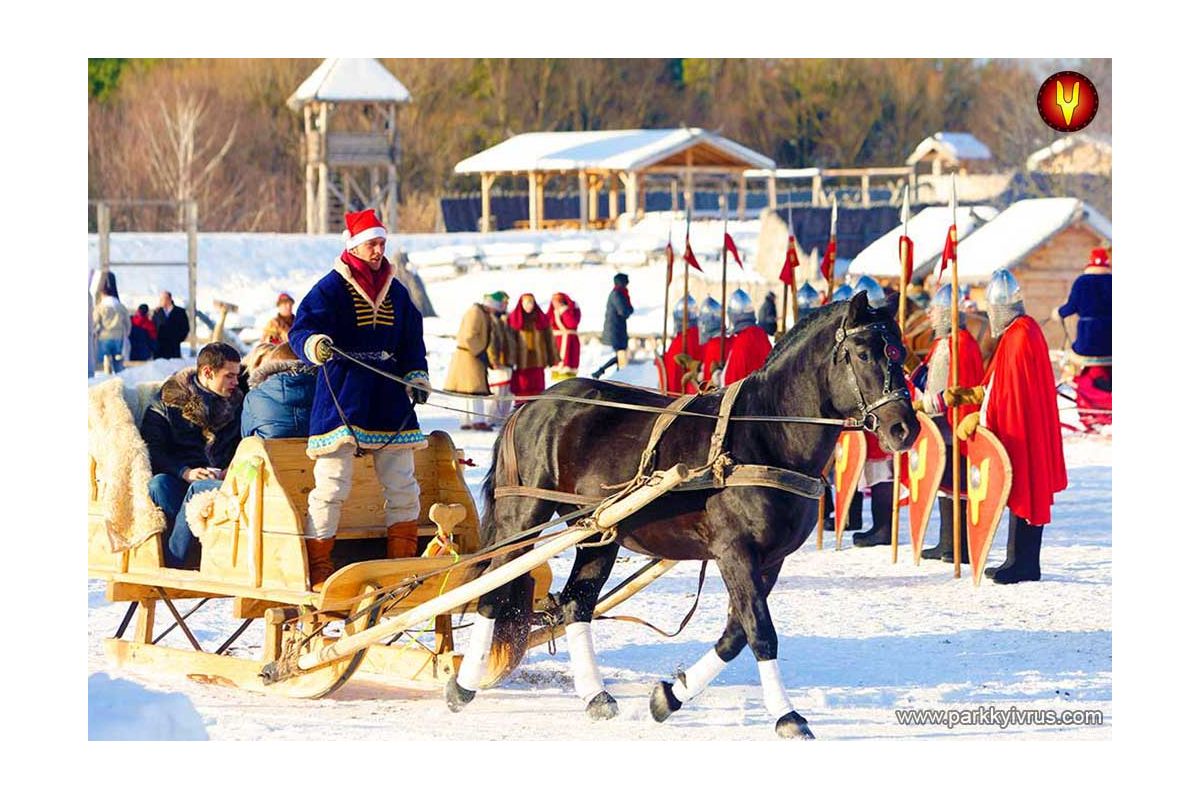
column 926, row 462
column 849, row 458
column 989, row 480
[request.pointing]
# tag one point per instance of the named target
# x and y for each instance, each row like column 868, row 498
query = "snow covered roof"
column 338, row 80
column 955, row 146
column 927, row 229
column 610, row 150
column 1059, row 146
column 1020, row 229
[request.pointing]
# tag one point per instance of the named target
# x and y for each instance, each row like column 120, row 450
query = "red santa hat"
column 362, row 226
column 1099, row 258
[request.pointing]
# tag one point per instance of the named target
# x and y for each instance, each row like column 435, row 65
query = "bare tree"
column 182, row 162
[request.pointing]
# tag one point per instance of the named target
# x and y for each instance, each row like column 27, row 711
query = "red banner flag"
column 828, row 260
column 732, row 248
column 906, row 260
column 790, row 262
column 949, row 251
column 689, row 257
column 670, row 261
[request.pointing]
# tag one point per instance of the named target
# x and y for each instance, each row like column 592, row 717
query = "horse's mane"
column 802, row 331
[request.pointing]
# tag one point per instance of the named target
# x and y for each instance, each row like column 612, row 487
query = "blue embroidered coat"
column 385, row 331
column 1091, row 299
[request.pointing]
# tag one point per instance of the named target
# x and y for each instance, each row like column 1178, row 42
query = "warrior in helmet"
column 680, row 360
column 749, row 345
column 843, row 292
column 936, row 370
column 807, row 299
column 877, row 473
column 1019, row 405
column 711, row 337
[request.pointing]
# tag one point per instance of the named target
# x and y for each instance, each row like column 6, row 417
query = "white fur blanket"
column 122, row 468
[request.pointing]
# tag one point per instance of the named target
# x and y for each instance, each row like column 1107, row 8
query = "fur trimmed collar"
column 264, row 371
column 207, row 411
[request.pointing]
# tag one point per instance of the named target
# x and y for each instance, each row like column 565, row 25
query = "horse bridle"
column 893, row 350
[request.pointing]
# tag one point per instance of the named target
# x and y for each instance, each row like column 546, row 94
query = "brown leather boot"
column 320, row 561
column 402, row 540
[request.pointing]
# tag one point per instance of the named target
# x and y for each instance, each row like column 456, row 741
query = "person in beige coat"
column 501, row 353
column 469, row 364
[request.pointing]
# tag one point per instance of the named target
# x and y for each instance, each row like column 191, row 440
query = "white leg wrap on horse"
column 698, row 676
column 470, row 672
column 588, row 682
column 774, row 695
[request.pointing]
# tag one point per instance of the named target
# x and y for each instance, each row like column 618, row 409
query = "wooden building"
column 616, row 162
column 944, row 152
column 350, row 159
column 1045, row 243
column 1077, row 154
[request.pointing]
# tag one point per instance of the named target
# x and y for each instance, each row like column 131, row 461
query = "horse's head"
column 866, row 376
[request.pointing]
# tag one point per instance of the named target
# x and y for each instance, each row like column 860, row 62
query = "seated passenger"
column 280, row 399
column 191, row 430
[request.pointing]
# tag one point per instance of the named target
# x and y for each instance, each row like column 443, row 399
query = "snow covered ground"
column 860, row 638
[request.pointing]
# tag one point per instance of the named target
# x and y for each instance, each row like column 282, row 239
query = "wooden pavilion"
column 613, row 161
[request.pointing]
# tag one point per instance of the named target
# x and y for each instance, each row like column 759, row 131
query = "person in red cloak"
column 564, row 320
column 1020, row 406
column 936, row 371
column 672, row 372
column 535, row 347
column 749, row 346
column 711, row 338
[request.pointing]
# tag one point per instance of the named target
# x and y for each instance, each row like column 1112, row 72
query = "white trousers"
column 332, row 476
column 477, row 405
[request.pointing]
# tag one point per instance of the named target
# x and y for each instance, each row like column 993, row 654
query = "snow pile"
column 120, row 710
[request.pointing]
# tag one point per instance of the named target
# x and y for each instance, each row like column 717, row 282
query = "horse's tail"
column 514, row 602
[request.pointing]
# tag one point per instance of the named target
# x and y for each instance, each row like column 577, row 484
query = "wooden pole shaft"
column 954, row 416
column 724, row 260
column 460, row 595
column 896, row 458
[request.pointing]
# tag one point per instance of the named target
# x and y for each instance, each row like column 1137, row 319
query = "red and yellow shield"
column 988, row 481
column 849, row 458
column 926, row 461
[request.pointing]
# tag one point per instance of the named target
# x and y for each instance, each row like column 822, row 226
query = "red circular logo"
column 1068, row 101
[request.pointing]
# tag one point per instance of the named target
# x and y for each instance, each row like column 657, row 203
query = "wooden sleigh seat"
column 260, row 554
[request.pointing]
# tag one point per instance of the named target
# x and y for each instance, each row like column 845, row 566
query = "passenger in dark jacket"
column 192, row 429
column 173, row 327
column 768, row 318
column 279, row 403
column 615, row 334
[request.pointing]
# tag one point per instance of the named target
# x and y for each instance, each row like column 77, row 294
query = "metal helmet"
column 1005, row 301
column 876, row 297
column 843, row 292
column 807, row 297
column 939, row 311
column 693, row 312
column 741, row 311
column 710, row 319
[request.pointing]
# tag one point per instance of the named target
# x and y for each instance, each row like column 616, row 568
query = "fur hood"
column 207, row 411
column 264, row 371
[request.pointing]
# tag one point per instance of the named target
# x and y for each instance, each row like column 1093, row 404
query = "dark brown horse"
column 841, row 362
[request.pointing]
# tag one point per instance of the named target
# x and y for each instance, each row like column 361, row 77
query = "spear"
column 788, row 288
column 829, row 260
column 687, row 246
column 905, row 260
column 954, row 372
column 724, row 260
column 667, row 298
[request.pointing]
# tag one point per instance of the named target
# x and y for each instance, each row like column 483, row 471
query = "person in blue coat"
column 362, row 310
column 279, row 403
column 1091, row 299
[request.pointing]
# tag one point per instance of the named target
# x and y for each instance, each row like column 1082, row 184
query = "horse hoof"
column 456, row 696
column 793, row 726
column 602, row 706
column 663, row 702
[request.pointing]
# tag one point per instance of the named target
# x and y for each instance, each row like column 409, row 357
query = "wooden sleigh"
column 255, row 556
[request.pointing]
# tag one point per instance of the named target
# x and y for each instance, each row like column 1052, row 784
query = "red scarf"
column 370, row 280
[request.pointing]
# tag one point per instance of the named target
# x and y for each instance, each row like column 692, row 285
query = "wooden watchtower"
column 350, row 159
